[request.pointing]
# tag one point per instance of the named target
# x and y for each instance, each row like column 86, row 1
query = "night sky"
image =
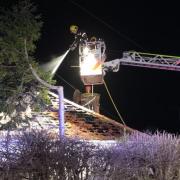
column 147, row 99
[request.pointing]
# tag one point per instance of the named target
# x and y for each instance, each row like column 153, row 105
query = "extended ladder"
column 148, row 60
column 71, row 106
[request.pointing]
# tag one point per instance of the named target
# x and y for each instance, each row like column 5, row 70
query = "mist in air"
column 53, row 65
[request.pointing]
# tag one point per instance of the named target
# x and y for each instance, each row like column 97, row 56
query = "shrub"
column 143, row 156
column 36, row 155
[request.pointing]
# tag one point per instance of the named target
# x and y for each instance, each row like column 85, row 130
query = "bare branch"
column 6, row 66
column 34, row 72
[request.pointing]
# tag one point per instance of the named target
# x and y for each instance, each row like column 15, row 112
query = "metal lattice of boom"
column 148, row 60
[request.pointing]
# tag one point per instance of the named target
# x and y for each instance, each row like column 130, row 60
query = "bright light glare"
column 85, row 51
column 90, row 65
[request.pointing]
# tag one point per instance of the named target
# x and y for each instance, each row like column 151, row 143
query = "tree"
column 20, row 26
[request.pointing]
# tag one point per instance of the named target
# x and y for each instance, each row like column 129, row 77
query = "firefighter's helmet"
column 73, row 29
column 93, row 39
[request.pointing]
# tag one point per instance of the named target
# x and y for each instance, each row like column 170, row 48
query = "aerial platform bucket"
column 91, row 58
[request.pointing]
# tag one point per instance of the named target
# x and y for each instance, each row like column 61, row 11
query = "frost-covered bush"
column 39, row 155
column 142, row 156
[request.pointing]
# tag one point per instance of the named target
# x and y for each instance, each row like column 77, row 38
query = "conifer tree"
column 20, row 26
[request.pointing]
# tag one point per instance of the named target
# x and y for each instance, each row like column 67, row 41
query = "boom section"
column 133, row 58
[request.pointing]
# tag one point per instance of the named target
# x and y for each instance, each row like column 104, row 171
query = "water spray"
column 54, row 64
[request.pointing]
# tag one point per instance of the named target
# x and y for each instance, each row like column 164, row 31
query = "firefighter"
column 80, row 36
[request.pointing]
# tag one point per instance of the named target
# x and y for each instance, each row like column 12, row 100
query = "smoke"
column 54, row 64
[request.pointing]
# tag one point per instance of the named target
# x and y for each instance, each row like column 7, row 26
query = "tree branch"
column 6, row 66
column 34, row 72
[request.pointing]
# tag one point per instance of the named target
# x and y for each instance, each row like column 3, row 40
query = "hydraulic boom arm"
column 132, row 58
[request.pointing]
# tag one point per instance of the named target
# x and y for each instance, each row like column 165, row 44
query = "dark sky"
column 146, row 98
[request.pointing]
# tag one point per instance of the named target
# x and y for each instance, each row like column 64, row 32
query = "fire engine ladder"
column 133, row 58
column 70, row 106
column 148, row 60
